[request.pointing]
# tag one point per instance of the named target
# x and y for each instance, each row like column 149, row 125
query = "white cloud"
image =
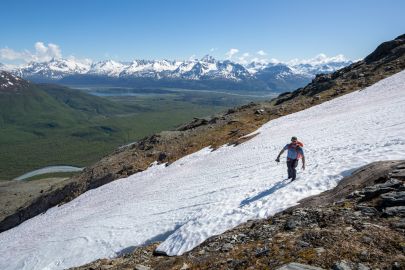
column 83, row 61
column 46, row 53
column 274, row 61
column 260, row 60
column 42, row 53
column 10, row 54
column 319, row 59
column 231, row 53
column 244, row 58
column 261, row 53
column 213, row 49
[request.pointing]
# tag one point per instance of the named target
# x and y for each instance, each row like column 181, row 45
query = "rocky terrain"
column 357, row 225
column 11, row 84
column 227, row 128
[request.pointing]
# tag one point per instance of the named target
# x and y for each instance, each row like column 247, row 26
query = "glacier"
column 209, row 192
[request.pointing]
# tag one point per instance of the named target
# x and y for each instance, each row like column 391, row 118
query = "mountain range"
column 204, row 73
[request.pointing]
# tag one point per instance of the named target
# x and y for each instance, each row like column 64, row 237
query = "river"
column 49, row 169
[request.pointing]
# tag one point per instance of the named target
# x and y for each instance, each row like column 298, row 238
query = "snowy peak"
column 149, row 69
column 308, row 68
column 11, row 83
column 256, row 66
column 108, row 67
column 205, row 68
column 208, row 59
column 54, row 69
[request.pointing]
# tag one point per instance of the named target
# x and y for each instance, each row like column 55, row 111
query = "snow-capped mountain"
column 10, row 82
column 255, row 75
column 109, row 68
column 205, row 68
column 150, row 69
column 5, row 67
column 54, row 69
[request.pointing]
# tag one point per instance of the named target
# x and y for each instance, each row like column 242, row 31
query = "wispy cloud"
column 10, row 54
column 231, row 53
column 244, row 59
column 41, row 53
column 261, row 53
column 319, row 59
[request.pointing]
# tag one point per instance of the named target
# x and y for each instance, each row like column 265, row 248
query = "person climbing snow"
column 295, row 152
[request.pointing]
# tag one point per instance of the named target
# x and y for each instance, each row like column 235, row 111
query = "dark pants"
column 291, row 165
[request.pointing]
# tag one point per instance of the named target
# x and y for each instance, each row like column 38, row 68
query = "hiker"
column 295, row 152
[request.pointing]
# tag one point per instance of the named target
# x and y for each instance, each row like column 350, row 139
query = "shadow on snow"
column 265, row 193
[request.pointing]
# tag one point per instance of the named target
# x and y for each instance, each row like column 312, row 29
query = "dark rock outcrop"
column 11, row 84
column 392, row 47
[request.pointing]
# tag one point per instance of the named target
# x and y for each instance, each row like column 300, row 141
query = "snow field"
column 209, row 192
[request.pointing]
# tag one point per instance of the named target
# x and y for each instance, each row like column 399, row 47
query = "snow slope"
column 208, row 192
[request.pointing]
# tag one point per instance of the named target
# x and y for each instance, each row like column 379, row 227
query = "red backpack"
column 300, row 144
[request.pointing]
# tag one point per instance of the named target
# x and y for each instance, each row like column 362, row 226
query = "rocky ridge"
column 227, row 128
column 10, row 83
column 358, row 225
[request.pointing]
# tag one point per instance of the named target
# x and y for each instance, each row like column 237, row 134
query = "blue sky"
column 179, row 29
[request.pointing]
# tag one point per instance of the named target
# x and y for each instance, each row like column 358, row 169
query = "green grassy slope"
column 54, row 125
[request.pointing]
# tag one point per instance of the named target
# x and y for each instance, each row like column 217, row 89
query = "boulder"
column 142, row 267
column 399, row 224
column 291, row 224
column 361, row 266
column 262, row 252
column 399, row 174
column 373, row 191
column 396, row 266
column 395, row 211
column 227, row 247
column 366, row 210
column 260, row 111
column 162, row 156
column 298, row 266
column 185, row 266
column 195, row 123
column 342, row 265
column 393, row 198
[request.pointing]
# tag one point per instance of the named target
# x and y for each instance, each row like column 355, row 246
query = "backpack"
column 300, row 145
